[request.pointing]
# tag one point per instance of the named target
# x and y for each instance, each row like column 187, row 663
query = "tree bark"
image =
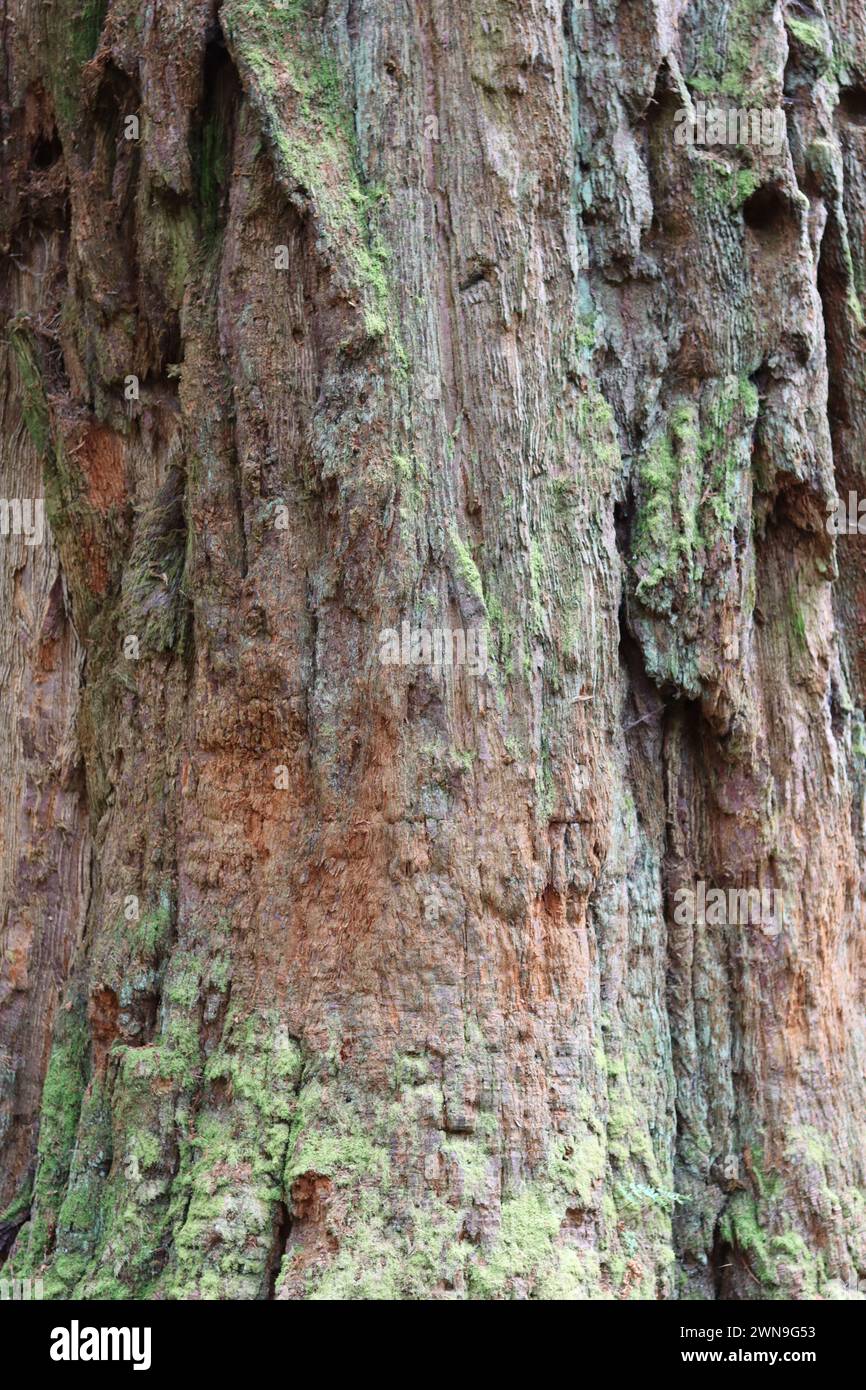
column 330, row 976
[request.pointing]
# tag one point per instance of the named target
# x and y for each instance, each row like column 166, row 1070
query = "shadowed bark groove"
column 324, row 975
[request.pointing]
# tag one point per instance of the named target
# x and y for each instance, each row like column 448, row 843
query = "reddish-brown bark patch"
column 99, row 454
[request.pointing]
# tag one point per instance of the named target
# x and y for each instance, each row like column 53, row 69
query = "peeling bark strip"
column 332, row 975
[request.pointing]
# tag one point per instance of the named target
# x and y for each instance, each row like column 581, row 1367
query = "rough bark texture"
column 323, row 978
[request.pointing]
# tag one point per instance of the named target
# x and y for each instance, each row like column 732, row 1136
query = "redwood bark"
column 324, row 976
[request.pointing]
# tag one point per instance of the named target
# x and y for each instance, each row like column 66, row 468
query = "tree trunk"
column 332, row 968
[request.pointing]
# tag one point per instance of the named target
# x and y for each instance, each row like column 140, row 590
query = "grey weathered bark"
column 328, row 977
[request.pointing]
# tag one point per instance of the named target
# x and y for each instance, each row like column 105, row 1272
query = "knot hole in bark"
column 768, row 212
column 852, row 105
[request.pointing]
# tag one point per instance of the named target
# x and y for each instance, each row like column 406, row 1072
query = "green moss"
column 845, row 64
column 390, row 1243
column 82, row 1216
column 221, row 1204
column 807, row 32
column 502, row 637
column 545, row 787
column 150, row 935
column 745, row 184
column 153, row 604
column 412, row 476
column 466, row 566
column 585, row 335
column 184, row 983
column 667, row 527
column 527, row 1255
column 855, row 308
column 72, row 31
column 741, row 1229
column 62, row 1095
column 67, row 506
column 377, row 1262
column 524, row 1246
column 746, row 1225
column 791, row 1245
column 516, row 749
column 33, row 401
column 179, row 1174
column 769, row 1184
column 211, row 163
column 719, row 189
column 19, row 1207
column 798, row 620
column 231, row 1180
column 392, row 1246
column 473, row 1160
column 219, row 973
column 577, row 1164
column 298, row 91
column 808, row 1143
column 404, row 468
column 691, row 489
column 736, row 67
column 537, row 586
column 409, row 1070
column 596, row 429
column 329, row 1138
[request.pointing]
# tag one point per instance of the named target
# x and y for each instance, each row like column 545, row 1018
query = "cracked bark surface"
column 322, row 978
